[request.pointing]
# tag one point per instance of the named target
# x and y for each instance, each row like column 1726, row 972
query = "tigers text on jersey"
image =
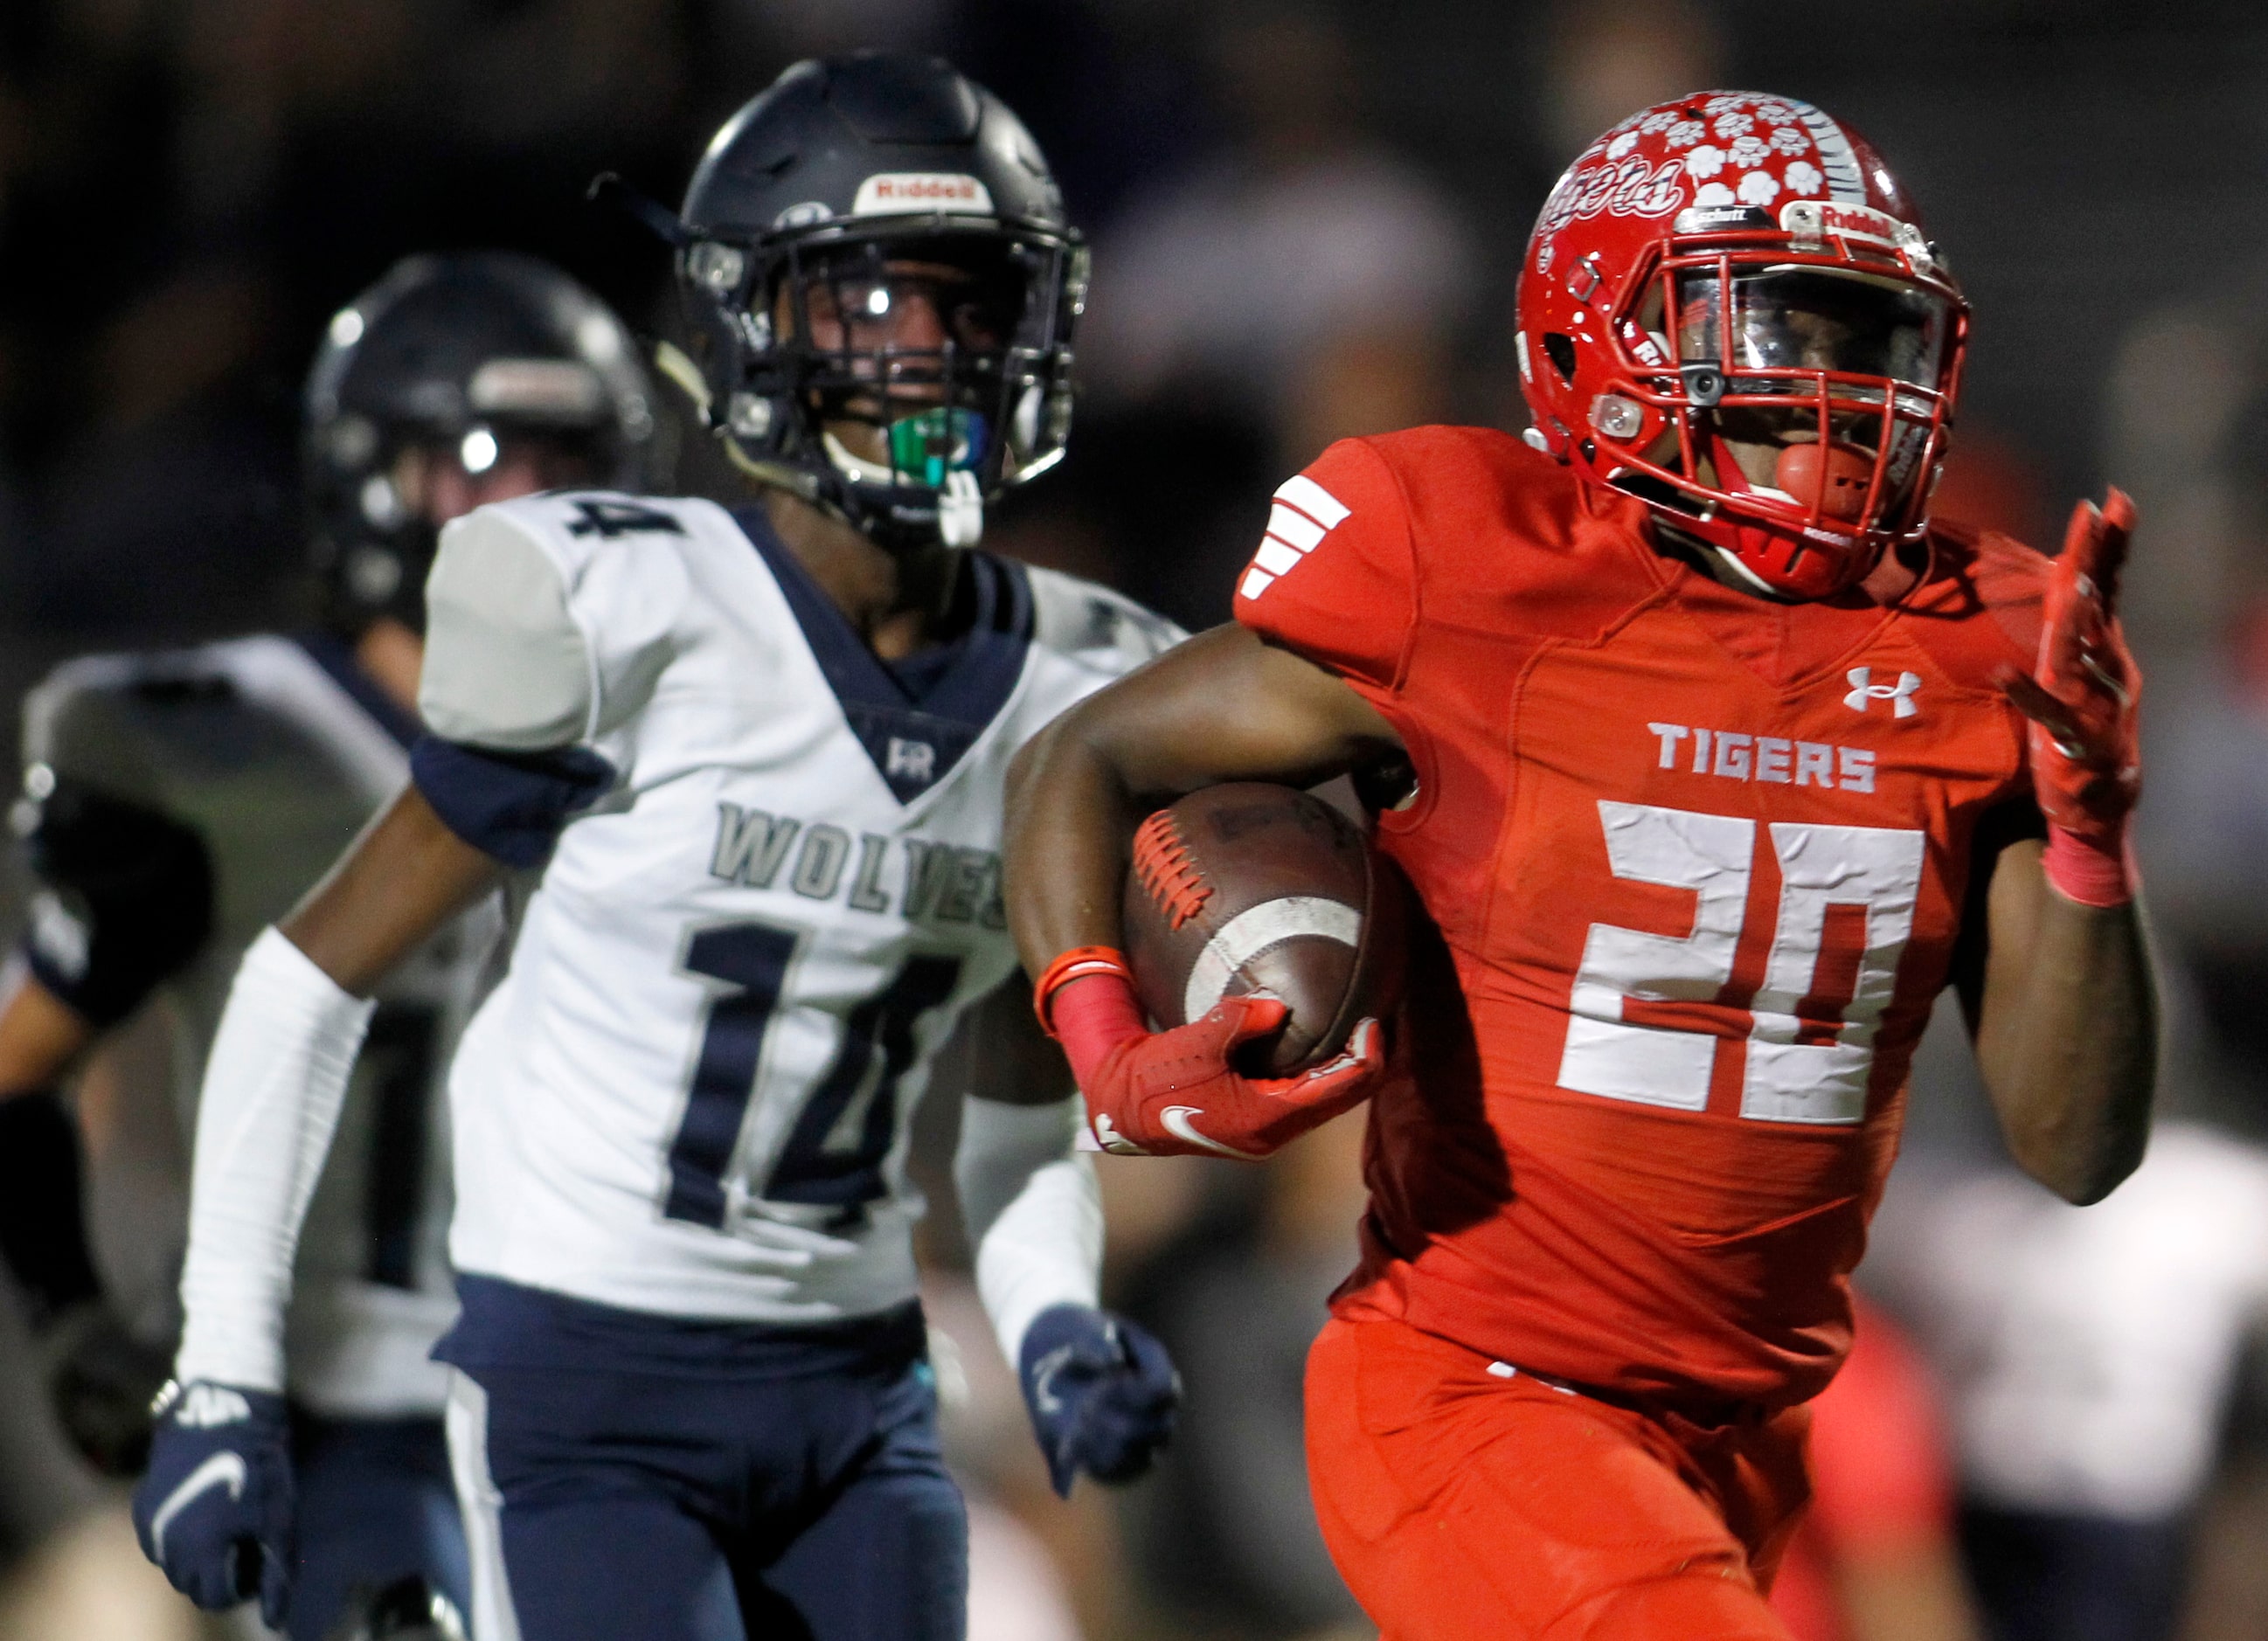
column 275, row 752
column 1698, row 862
column 690, row 1093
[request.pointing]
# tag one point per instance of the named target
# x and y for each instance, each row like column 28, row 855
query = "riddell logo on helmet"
column 1816, row 218
column 895, row 191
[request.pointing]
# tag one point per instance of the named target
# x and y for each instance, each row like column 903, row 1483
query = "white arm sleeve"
column 1032, row 1211
column 273, row 1087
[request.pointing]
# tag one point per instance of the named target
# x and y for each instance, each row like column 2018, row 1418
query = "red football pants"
column 1464, row 1506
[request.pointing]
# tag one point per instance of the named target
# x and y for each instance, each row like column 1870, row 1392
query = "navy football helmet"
column 465, row 352
column 850, row 187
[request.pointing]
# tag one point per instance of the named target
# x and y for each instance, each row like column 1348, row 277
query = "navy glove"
column 215, row 1509
column 1102, row 1393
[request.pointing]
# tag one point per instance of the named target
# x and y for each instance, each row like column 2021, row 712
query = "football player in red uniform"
column 1721, row 759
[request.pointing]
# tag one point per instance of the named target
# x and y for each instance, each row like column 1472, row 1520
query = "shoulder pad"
column 588, row 519
column 1093, row 626
column 1974, row 568
column 79, row 720
column 549, row 617
column 126, row 897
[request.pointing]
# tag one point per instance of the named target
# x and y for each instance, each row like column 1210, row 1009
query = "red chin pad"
column 1792, row 565
column 1833, row 478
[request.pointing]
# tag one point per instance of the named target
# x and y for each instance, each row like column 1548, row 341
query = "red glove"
column 1175, row 1092
column 2086, row 755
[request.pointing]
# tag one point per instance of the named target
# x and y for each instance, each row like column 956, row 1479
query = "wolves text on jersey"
column 938, row 882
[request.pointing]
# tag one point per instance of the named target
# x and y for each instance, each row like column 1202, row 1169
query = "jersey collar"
column 917, row 725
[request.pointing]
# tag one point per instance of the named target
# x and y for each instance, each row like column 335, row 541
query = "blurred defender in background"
column 177, row 801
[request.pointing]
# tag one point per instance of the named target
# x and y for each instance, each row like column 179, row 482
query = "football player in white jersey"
column 180, row 801
column 748, row 767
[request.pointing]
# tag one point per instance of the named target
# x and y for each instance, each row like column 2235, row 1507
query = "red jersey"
column 1698, row 862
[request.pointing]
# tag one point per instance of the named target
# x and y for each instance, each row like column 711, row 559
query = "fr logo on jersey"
column 1305, row 513
column 1865, row 690
column 913, row 761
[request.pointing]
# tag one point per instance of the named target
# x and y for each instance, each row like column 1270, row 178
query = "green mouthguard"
column 933, row 443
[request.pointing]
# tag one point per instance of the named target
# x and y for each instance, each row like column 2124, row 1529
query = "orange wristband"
column 1076, row 964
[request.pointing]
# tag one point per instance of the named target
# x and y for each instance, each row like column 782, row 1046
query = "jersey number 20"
column 1846, row 907
column 817, row 1166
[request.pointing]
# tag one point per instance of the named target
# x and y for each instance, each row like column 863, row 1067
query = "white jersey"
column 276, row 751
column 689, row 1094
column 2089, row 1352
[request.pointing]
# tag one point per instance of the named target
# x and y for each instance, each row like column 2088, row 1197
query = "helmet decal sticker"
column 898, row 191
column 1846, row 183
column 565, row 390
column 1743, row 149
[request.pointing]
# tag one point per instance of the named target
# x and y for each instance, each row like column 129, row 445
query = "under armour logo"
column 1900, row 694
column 204, row 1407
column 909, row 759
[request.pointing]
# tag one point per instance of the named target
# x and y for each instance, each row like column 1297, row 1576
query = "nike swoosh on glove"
column 214, row 1510
column 1102, row 1393
column 2082, row 698
column 1178, row 1092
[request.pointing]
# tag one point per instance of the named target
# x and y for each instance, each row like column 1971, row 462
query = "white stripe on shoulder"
column 1295, row 528
column 1314, row 500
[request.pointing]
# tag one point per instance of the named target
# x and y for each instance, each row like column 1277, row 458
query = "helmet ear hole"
column 1561, row 351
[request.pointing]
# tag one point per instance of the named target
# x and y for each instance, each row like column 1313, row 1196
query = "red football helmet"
column 1734, row 279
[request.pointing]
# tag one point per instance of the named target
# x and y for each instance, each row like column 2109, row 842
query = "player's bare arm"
column 2066, row 1014
column 1224, row 706
column 41, row 1038
column 1012, row 1062
column 406, row 876
column 2066, row 1022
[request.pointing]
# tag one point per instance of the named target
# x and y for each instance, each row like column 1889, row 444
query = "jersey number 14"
column 813, row 1168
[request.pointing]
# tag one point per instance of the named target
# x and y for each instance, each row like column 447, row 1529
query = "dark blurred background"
column 1308, row 218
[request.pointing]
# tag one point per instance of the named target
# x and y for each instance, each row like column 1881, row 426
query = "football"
column 1252, row 887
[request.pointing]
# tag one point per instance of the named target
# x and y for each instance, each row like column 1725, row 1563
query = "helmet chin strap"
column 960, row 509
column 1747, row 577
column 1802, row 468
column 959, row 504
column 1731, row 476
